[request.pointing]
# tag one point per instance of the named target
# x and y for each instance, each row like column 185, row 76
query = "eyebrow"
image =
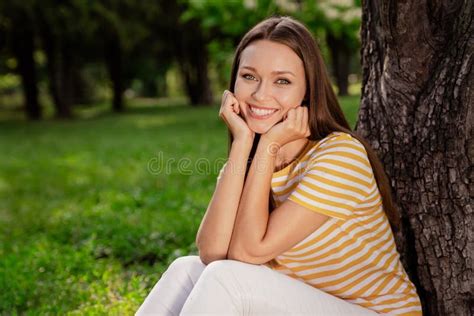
column 278, row 72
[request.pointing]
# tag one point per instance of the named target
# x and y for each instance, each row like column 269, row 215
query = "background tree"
column 17, row 28
column 416, row 111
column 121, row 26
column 336, row 22
column 139, row 43
column 222, row 24
column 63, row 43
column 189, row 46
column 341, row 25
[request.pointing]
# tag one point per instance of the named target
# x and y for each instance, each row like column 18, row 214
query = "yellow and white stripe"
column 353, row 254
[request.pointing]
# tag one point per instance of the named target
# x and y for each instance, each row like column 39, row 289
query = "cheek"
column 288, row 99
column 240, row 89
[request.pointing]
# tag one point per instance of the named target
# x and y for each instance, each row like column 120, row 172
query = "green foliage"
column 87, row 226
column 225, row 22
column 146, row 35
column 9, row 82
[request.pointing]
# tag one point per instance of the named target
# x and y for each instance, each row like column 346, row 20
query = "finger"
column 306, row 122
column 298, row 117
column 231, row 102
column 236, row 106
column 224, row 97
column 290, row 116
column 240, row 107
column 304, row 116
column 234, row 103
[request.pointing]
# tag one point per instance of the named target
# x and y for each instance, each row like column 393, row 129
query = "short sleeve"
column 338, row 177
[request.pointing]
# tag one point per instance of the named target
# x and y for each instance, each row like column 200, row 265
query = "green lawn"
column 88, row 221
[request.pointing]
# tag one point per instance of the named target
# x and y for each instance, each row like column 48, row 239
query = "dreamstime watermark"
column 159, row 165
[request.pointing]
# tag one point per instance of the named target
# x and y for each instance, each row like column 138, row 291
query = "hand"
column 229, row 113
column 293, row 127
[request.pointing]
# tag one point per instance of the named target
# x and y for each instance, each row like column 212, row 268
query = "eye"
column 280, row 81
column 284, row 81
column 248, row 76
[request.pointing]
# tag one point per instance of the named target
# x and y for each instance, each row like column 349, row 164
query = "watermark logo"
column 159, row 165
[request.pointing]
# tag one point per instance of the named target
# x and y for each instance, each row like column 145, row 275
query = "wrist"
column 244, row 140
column 270, row 140
column 243, row 143
column 271, row 147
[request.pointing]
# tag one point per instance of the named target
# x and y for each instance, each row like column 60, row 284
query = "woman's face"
column 270, row 81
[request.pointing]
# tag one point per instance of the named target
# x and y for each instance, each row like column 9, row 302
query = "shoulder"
column 338, row 143
column 342, row 154
column 339, row 137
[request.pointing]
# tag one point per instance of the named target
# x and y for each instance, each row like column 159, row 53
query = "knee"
column 185, row 263
column 226, row 269
column 222, row 264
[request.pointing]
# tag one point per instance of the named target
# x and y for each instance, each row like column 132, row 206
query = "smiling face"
column 270, row 81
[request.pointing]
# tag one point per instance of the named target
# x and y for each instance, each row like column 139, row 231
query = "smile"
column 261, row 114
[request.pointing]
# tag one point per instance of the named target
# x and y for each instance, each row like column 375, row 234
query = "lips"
column 260, row 112
column 260, row 107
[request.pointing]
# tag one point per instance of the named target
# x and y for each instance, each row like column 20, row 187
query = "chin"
column 260, row 128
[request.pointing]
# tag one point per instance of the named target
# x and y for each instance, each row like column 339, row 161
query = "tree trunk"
column 81, row 93
column 416, row 112
column 160, row 81
column 66, row 83
column 341, row 54
column 193, row 59
column 57, row 67
column 23, row 48
column 113, row 56
column 190, row 49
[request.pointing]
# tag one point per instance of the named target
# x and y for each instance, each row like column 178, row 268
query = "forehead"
column 265, row 55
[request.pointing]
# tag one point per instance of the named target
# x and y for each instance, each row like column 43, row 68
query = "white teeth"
column 261, row 112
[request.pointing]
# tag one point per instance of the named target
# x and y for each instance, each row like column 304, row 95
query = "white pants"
column 229, row 287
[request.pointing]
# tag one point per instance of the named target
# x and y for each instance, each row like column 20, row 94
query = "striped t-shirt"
column 353, row 254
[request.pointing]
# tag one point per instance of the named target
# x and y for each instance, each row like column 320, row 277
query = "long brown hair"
column 325, row 114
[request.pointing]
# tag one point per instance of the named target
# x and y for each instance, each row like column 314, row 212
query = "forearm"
column 216, row 227
column 252, row 216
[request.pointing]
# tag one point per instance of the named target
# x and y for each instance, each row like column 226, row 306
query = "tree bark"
column 416, row 112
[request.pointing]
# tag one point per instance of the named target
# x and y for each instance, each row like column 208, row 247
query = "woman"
column 302, row 207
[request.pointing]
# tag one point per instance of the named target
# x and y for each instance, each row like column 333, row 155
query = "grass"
column 89, row 221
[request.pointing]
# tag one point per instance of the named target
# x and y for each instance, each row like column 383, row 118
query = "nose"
column 262, row 93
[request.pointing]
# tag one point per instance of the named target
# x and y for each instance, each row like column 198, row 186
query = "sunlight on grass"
column 88, row 228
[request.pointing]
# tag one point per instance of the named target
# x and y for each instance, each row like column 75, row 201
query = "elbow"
column 237, row 252
column 233, row 254
column 207, row 258
column 244, row 256
column 208, row 254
